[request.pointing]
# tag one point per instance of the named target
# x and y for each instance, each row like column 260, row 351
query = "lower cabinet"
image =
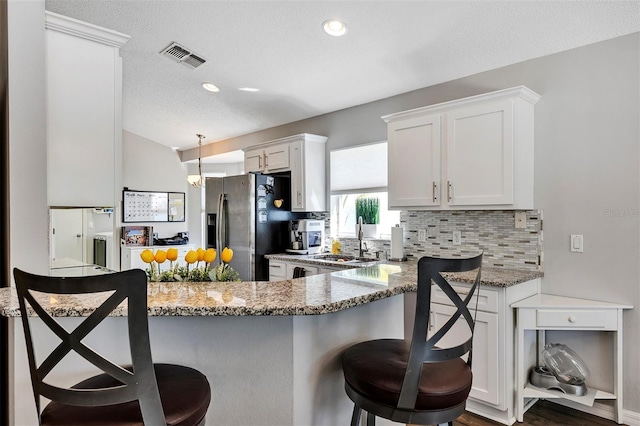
column 281, row 270
column 493, row 391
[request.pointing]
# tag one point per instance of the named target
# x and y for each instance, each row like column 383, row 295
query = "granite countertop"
column 313, row 295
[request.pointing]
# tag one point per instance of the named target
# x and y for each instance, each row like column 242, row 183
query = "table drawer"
column 591, row 318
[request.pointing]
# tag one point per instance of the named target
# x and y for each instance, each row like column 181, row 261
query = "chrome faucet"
column 360, row 233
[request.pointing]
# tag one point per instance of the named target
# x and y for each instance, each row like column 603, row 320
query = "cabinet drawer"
column 592, row 318
column 277, row 270
column 487, row 299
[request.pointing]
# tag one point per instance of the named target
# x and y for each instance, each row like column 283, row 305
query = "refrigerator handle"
column 221, row 221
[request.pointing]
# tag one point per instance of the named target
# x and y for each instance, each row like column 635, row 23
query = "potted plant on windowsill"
column 369, row 209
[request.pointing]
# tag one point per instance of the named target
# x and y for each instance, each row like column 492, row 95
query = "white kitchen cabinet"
column 277, row 270
column 281, row 270
column 493, row 391
column 304, row 155
column 308, row 173
column 475, row 152
column 84, row 113
column 267, row 159
column 308, row 269
column 130, row 256
column 414, row 157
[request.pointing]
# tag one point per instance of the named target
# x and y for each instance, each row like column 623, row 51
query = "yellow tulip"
column 200, row 253
column 227, row 255
column 191, row 257
column 147, row 256
column 210, row 255
column 161, row 256
column 172, row 254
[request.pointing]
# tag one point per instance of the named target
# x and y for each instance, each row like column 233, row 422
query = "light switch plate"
column 577, row 245
column 521, row 219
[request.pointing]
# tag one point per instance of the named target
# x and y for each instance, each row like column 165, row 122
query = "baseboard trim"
column 630, row 418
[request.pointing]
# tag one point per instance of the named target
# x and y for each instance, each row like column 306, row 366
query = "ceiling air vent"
column 182, row 55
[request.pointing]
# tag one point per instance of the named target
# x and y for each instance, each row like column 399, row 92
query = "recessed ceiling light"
column 334, row 27
column 248, row 89
column 210, row 87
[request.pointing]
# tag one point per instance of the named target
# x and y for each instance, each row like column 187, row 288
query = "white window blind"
column 362, row 168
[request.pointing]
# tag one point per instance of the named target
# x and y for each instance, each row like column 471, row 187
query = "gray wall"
column 586, row 168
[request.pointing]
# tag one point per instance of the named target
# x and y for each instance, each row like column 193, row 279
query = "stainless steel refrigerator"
column 241, row 215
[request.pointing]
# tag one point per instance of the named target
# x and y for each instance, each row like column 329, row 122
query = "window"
column 359, row 171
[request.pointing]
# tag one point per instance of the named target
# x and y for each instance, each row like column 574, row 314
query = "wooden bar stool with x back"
column 416, row 381
column 137, row 394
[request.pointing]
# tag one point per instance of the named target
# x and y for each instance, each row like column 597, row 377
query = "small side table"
column 548, row 312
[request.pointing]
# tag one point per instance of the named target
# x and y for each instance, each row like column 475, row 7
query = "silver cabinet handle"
column 260, row 161
column 449, row 190
column 431, row 319
column 435, row 191
column 275, row 266
column 266, row 161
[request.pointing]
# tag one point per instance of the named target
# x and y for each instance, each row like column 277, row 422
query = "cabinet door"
column 414, row 162
column 480, row 150
column 277, row 270
column 308, row 270
column 253, row 161
column 297, row 176
column 485, row 365
column 277, row 158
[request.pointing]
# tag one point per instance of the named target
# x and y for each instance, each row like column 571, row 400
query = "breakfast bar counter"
column 271, row 350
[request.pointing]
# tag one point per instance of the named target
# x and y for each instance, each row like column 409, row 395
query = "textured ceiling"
column 279, row 47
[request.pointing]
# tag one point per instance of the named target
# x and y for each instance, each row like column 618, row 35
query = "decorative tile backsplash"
column 490, row 231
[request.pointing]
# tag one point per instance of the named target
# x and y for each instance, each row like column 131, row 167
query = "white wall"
column 149, row 166
column 587, row 163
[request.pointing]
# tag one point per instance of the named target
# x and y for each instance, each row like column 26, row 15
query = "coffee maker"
column 306, row 236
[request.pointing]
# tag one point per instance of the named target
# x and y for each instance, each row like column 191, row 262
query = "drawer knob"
column 572, row 319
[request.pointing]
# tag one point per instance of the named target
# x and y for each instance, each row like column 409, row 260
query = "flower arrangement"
column 224, row 272
column 198, row 265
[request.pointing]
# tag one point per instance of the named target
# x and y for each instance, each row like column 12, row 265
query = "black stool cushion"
column 376, row 370
column 185, row 395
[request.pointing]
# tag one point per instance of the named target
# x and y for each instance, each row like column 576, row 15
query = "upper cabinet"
column 472, row 153
column 84, row 113
column 267, row 159
column 308, row 174
column 304, row 156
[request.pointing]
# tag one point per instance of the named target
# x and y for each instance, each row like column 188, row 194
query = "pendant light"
column 196, row 180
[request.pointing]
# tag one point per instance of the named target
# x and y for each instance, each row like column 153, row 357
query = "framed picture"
column 176, row 207
column 137, row 235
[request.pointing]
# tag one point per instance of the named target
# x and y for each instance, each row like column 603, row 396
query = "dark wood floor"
column 542, row 413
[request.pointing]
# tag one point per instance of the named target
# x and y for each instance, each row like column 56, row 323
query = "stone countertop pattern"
column 313, row 295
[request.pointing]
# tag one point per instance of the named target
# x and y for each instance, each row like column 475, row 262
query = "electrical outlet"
column 457, row 238
column 521, row 219
column 422, row 235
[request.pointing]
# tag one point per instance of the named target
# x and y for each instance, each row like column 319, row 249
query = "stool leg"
column 355, row 417
column 371, row 419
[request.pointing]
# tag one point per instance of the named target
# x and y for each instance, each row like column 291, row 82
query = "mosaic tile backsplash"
column 490, row 231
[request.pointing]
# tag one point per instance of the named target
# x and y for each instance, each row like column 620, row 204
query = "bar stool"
column 137, row 394
column 416, row 381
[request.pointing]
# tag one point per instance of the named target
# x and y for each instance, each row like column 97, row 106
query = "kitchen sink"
column 343, row 258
